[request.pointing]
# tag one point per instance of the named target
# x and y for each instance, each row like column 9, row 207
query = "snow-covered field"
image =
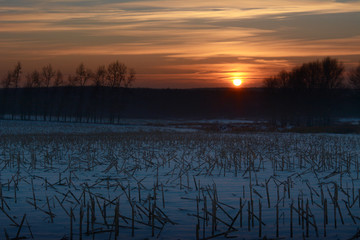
column 87, row 181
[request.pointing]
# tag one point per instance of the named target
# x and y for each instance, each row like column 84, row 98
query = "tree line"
column 328, row 73
column 309, row 94
column 114, row 75
column 90, row 96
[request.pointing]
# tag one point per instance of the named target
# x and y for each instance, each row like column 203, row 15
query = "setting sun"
column 237, row 82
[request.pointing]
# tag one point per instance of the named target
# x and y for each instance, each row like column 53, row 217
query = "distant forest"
column 314, row 94
column 110, row 105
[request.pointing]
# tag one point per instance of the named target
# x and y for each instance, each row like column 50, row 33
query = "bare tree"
column 131, row 78
column 332, row 73
column 17, row 75
column 7, row 80
column 83, row 74
column 100, row 76
column 28, row 83
column 33, row 79
column 116, row 74
column 58, row 79
column 324, row 74
column 47, row 74
column 355, row 77
column 312, row 74
column 281, row 80
column 271, row 82
column 72, row 81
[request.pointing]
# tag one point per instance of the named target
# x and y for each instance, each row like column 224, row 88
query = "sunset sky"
column 179, row 44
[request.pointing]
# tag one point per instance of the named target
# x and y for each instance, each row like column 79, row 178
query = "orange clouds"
column 261, row 31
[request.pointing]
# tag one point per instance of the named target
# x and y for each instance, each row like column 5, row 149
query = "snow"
column 133, row 162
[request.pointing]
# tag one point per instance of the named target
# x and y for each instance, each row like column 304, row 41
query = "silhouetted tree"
column 47, row 74
column 131, row 78
column 7, row 80
column 332, row 73
column 283, row 79
column 58, row 79
column 297, row 78
column 312, row 74
column 100, row 76
column 67, row 103
column 271, row 82
column 29, row 83
column 355, row 77
column 33, row 79
column 6, row 83
column 309, row 84
column 324, row 74
column 83, row 74
column 116, row 74
column 72, row 81
column 17, row 75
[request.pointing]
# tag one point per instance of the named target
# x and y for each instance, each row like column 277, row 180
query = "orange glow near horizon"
column 173, row 44
column 237, row 78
